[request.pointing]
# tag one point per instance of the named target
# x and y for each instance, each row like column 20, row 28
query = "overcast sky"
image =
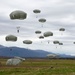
column 58, row 14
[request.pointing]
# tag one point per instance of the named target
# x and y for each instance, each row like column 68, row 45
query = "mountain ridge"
column 23, row 52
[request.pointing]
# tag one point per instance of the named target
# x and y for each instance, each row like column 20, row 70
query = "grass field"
column 39, row 67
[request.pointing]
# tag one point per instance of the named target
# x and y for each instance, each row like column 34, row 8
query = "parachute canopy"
column 52, row 55
column 62, row 29
column 36, row 11
column 42, row 20
column 18, row 15
column 60, row 43
column 38, row 32
column 11, row 38
column 27, row 42
column 46, row 34
column 41, row 37
column 56, row 42
column 74, row 42
column 14, row 61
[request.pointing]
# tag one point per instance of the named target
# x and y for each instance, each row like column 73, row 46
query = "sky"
column 58, row 14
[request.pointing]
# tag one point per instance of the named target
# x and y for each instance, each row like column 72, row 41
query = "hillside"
column 22, row 52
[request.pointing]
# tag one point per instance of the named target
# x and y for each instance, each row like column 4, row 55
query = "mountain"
column 66, row 56
column 1, row 46
column 22, row 52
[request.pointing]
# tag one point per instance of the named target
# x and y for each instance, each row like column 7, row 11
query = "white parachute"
column 15, row 61
column 52, row 55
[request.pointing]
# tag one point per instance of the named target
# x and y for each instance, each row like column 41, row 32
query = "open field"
column 39, row 67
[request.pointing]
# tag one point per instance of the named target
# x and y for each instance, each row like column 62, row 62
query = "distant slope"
column 23, row 52
column 16, row 51
column 1, row 46
column 65, row 56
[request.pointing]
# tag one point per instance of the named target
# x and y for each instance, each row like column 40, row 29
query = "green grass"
column 39, row 67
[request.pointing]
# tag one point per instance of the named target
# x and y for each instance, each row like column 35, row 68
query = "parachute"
column 62, row 29
column 41, row 37
column 60, row 43
column 27, row 42
column 56, row 42
column 38, row 32
column 11, row 38
column 36, row 11
column 14, row 61
column 18, row 15
column 73, row 42
column 42, row 20
column 47, row 34
column 52, row 55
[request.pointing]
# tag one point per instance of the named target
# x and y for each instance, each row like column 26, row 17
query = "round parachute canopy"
column 14, row 61
column 56, row 42
column 18, row 15
column 27, row 42
column 11, row 38
column 42, row 20
column 36, row 11
column 47, row 34
column 41, row 37
column 62, row 29
column 60, row 43
column 74, row 42
column 38, row 32
column 52, row 55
